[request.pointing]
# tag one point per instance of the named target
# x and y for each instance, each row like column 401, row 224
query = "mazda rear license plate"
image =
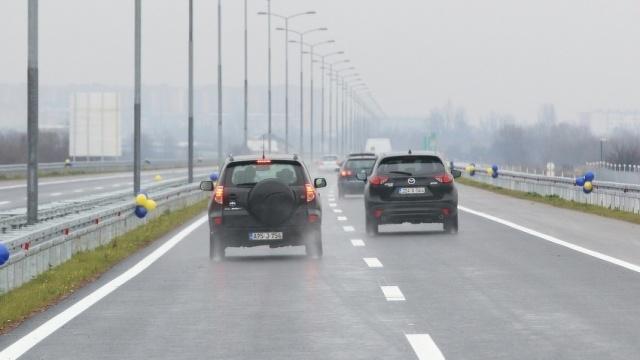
column 257, row 236
column 413, row 190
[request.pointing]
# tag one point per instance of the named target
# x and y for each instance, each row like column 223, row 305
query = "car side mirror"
column 456, row 173
column 206, row 185
column 320, row 183
column 361, row 176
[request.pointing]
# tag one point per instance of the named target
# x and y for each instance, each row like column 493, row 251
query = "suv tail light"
column 218, row 195
column 445, row 178
column 311, row 192
column 344, row 173
column 378, row 180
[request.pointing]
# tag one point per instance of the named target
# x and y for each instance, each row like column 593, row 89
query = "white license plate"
column 266, row 236
column 413, row 190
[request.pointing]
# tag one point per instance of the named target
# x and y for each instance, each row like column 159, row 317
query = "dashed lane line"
column 373, row 262
column 424, row 347
column 357, row 242
column 348, row 228
column 342, row 218
column 55, row 194
column 4, row 202
column 337, row 211
column 333, row 204
column 392, row 293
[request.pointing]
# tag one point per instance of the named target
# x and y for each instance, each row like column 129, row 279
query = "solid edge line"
column 424, row 347
column 580, row 249
column 30, row 340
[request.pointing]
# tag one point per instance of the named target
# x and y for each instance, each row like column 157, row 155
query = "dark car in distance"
column 357, row 163
column 413, row 187
column 264, row 201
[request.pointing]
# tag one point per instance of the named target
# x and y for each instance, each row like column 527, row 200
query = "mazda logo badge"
column 411, row 181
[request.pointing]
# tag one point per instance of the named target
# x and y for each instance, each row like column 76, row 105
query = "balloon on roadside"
column 490, row 171
column 4, row 254
column 141, row 212
column 150, row 205
column 589, row 176
column 157, row 178
column 141, row 199
column 580, row 181
column 471, row 170
column 214, row 176
column 587, row 187
column 494, row 167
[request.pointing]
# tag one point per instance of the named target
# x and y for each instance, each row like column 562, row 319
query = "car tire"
column 313, row 245
column 450, row 225
column 371, row 226
column 216, row 248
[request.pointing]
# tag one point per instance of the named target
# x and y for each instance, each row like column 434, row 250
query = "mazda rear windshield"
column 411, row 166
column 251, row 172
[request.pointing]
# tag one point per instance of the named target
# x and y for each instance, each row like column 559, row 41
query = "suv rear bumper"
column 239, row 237
column 398, row 212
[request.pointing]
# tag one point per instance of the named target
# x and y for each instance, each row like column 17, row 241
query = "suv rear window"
column 360, row 164
column 329, row 158
column 412, row 165
column 251, row 173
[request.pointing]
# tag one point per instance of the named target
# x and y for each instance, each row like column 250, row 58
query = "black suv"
column 359, row 163
column 264, row 201
column 411, row 188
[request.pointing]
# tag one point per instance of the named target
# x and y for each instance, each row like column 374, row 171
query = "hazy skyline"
column 496, row 55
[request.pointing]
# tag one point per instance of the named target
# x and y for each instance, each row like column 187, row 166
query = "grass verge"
column 556, row 201
column 56, row 284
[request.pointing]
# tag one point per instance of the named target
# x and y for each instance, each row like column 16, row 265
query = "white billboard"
column 95, row 126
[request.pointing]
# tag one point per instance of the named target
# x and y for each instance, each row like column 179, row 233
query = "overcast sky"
column 492, row 55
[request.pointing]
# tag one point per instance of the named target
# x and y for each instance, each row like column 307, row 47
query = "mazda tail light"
column 445, row 178
column 378, row 180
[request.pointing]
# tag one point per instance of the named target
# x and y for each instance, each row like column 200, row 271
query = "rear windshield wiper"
column 400, row 172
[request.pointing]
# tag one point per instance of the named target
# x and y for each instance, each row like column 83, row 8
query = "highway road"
column 13, row 193
column 519, row 281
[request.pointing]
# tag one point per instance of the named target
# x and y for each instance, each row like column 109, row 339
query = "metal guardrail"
column 613, row 195
column 16, row 218
column 98, row 165
column 35, row 249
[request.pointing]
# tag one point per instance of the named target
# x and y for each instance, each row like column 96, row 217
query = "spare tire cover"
column 271, row 202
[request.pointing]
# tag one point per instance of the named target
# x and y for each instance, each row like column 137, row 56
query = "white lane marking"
column 5, row 202
column 337, row 211
column 348, row 228
column 98, row 188
column 30, row 340
column 424, row 347
column 333, row 204
column 77, row 191
column 373, row 262
column 392, row 293
column 357, row 242
column 342, row 218
column 555, row 240
column 55, row 194
column 331, row 199
column 116, row 185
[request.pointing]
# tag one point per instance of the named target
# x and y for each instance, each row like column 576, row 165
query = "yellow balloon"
column 470, row 169
column 158, row 178
column 489, row 171
column 588, row 186
column 150, row 205
column 141, row 199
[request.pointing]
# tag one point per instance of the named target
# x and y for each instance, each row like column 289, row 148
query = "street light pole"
column 246, row 75
column 190, row 136
column 220, row 155
column 137, row 164
column 32, row 113
column 269, row 80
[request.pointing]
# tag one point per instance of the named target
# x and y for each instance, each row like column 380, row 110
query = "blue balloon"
column 589, row 176
column 494, row 168
column 214, row 176
column 494, row 174
column 580, row 181
column 4, row 254
column 141, row 212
